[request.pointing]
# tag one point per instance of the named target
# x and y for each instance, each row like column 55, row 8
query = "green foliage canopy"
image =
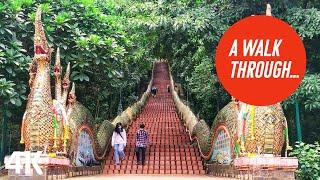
column 111, row 46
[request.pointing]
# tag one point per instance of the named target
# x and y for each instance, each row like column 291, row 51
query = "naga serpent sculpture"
column 57, row 126
column 238, row 130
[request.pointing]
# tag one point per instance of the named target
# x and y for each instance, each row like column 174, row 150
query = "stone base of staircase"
column 267, row 167
column 221, row 170
column 260, row 168
column 56, row 172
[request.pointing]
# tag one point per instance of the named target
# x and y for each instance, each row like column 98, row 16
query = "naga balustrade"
column 63, row 127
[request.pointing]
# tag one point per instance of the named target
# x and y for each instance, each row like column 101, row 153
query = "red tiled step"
column 170, row 152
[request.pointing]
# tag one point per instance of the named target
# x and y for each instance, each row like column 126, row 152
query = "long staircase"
column 170, row 151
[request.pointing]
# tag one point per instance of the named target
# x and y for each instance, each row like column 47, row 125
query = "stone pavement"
column 149, row 177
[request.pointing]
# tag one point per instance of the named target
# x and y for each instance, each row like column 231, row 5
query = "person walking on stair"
column 154, row 91
column 119, row 142
column 142, row 141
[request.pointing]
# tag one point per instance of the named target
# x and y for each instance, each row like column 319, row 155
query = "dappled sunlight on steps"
column 170, row 152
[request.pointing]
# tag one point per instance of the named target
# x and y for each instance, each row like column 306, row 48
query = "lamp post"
column 120, row 109
column 10, row 140
column 187, row 91
column 4, row 134
column 120, row 103
column 298, row 126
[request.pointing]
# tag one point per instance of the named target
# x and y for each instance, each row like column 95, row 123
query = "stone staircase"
column 170, row 151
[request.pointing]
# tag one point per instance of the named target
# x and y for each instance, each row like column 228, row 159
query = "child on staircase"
column 142, row 141
column 118, row 142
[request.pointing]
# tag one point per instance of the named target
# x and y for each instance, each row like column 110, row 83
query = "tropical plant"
column 309, row 160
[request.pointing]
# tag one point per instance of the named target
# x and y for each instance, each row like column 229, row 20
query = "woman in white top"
column 118, row 142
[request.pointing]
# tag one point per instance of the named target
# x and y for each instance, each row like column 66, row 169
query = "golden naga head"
column 66, row 80
column 57, row 66
column 41, row 46
column 72, row 95
column 268, row 10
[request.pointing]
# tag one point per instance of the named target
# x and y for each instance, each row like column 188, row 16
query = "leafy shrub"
column 309, row 160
